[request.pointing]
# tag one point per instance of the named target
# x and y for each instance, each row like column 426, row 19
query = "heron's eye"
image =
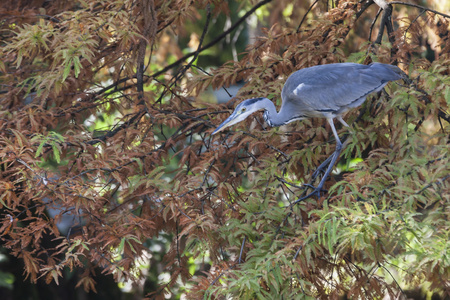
column 243, row 109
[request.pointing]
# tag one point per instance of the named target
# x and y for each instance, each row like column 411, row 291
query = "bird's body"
column 326, row 91
column 335, row 88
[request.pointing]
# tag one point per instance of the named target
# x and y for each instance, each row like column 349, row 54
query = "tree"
column 103, row 128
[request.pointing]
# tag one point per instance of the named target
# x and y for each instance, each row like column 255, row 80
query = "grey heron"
column 326, row 91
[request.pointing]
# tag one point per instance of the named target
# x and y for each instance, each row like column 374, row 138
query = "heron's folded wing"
column 335, row 87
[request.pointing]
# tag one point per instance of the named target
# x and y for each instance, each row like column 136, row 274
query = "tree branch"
column 304, row 17
column 421, row 7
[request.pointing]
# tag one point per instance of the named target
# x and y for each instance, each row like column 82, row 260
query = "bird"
column 324, row 91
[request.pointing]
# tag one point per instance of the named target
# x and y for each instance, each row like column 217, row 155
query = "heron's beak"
column 239, row 114
column 227, row 123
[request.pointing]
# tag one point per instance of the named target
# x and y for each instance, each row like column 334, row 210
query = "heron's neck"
column 271, row 116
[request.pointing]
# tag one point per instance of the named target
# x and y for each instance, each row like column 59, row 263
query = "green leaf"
column 56, row 135
column 84, row 246
column 121, row 245
column 131, row 247
column 76, row 65
column 56, row 152
column 447, row 95
column 3, row 202
column 67, row 68
column 40, row 147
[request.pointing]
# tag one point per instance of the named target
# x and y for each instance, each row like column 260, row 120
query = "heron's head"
column 242, row 111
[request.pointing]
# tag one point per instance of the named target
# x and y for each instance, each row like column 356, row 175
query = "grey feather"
column 334, row 88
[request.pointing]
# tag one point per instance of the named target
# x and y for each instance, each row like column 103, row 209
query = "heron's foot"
column 317, row 172
column 309, row 186
column 316, row 190
column 322, row 168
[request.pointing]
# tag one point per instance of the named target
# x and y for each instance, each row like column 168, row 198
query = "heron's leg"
column 338, row 141
column 330, row 161
column 326, row 162
column 334, row 158
column 342, row 121
column 322, row 167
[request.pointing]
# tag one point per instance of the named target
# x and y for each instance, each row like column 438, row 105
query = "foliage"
column 102, row 121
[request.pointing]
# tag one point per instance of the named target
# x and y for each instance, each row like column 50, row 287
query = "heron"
column 324, row 91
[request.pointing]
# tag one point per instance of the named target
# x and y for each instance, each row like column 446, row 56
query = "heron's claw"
column 309, row 185
column 316, row 190
column 317, row 172
column 322, row 166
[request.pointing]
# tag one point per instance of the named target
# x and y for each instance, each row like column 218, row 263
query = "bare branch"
column 421, row 7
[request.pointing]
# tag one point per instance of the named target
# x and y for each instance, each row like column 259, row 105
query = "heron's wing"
column 334, row 88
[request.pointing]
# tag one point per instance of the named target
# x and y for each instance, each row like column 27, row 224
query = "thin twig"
column 297, row 253
column 421, row 7
column 393, row 278
column 207, row 73
column 412, row 22
column 242, row 250
column 373, row 23
column 304, row 17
